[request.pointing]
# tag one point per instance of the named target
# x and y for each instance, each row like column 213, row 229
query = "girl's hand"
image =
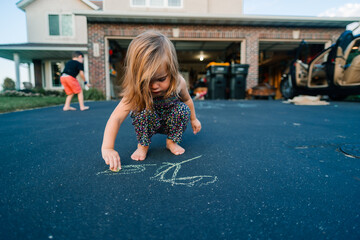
column 196, row 125
column 112, row 158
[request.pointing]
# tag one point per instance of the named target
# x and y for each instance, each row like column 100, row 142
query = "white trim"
column 46, row 48
column 17, row 70
column 43, row 75
column 23, row 4
column 90, row 4
column 107, row 75
column 86, row 67
column 243, row 52
column 47, row 74
column 232, row 19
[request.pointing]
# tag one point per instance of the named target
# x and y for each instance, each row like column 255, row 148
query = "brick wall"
column 252, row 36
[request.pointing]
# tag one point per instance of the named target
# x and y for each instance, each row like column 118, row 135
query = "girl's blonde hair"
column 144, row 56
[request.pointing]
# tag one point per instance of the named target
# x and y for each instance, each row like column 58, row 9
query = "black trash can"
column 217, row 74
column 238, row 81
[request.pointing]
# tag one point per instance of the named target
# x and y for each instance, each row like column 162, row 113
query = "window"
column 157, row 3
column 174, row 3
column 55, row 73
column 60, row 25
column 139, row 3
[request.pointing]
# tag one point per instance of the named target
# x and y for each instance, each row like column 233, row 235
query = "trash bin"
column 238, row 80
column 217, row 74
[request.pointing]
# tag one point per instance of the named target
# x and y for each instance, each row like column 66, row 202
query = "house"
column 202, row 31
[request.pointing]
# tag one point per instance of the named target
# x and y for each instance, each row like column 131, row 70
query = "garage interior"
column 193, row 57
column 275, row 59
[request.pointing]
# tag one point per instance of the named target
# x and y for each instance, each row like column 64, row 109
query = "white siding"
column 233, row 7
column 38, row 21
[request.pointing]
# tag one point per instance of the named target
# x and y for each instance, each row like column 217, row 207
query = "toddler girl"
column 156, row 96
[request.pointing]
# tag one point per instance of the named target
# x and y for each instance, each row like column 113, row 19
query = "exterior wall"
column 250, row 36
column 189, row 6
column 228, row 7
column 38, row 23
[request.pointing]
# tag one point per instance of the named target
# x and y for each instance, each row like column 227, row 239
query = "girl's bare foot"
column 174, row 147
column 140, row 153
column 69, row 109
column 84, row 108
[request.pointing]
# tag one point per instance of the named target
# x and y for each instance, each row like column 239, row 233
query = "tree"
column 8, row 84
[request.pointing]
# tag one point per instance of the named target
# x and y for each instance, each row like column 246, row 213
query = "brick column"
column 252, row 58
column 96, row 46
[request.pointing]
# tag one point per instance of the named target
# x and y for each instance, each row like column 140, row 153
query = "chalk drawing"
column 127, row 169
column 187, row 181
column 215, row 105
column 246, row 105
column 208, row 105
column 163, row 174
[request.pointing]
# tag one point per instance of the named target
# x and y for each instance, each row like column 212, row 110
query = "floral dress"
column 169, row 116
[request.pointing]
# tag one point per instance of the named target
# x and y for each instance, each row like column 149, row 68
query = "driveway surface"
column 257, row 170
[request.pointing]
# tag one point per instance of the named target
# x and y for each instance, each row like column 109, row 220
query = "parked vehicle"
column 334, row 72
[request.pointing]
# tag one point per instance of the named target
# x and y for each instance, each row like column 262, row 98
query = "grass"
column 11, row 104
column 15, row 100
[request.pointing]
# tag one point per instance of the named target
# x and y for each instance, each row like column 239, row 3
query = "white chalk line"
column 166, row 167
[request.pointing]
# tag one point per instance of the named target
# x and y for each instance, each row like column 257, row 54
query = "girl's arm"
column 110, row 156
column 185, row 97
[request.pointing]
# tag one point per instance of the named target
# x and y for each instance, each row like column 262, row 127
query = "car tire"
column 286, row 88
column 337, row 97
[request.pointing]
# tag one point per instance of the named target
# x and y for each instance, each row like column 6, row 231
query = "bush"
column 22, row 93
column 53, row 93
column 93, row 94
column 8, row 84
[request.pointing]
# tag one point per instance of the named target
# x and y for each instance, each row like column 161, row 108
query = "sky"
column 13, row 20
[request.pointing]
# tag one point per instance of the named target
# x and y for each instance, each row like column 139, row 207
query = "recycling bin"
column 217, row 74
column 238, row 74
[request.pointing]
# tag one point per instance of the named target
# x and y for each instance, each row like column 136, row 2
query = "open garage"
column 275, row 58
column 193, row 57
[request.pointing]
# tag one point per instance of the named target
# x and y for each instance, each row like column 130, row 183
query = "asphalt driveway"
column 258, row 170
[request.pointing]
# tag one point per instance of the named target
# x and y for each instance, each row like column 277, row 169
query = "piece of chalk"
column 116, row 170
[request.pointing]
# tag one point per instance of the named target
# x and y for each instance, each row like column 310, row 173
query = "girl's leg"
column 67, row 103
column 177, row 119
column 146, row 124
column 81, row 101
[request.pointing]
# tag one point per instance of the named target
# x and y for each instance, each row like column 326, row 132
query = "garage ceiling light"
column 201, row 57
